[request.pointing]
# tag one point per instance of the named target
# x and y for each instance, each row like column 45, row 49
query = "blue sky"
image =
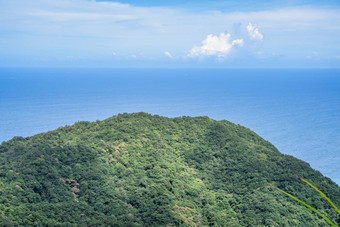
column 224, row 34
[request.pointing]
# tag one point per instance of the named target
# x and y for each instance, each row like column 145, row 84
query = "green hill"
column 144, row 170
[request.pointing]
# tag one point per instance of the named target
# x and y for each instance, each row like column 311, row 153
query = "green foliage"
column 144, row 170
column 312, row 208
column 321, row 193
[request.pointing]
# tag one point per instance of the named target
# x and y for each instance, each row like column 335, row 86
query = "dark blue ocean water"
column 297, row 110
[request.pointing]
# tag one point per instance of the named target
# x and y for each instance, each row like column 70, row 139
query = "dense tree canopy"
column 144, row 170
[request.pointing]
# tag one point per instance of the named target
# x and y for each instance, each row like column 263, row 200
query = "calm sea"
column 295, row 109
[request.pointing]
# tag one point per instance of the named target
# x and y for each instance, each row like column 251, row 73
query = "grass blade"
column 335, row 207
column 313, row 209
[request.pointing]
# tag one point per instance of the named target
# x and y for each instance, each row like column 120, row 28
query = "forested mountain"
column 144, row 170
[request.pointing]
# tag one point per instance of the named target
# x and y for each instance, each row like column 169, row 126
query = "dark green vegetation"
column 143, row 170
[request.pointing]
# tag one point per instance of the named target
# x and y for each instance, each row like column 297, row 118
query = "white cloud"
column 168, row 54
column 254, row 33
column 91, row 29
column 219, row 46
column 237, row 42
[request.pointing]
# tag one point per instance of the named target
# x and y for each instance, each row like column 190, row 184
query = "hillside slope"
column 144, row 170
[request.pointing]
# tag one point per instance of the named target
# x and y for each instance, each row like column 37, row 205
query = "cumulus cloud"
column 237, row 42
column 254, row 33
column 219, row 46
column 90, row 30
column 168, row 54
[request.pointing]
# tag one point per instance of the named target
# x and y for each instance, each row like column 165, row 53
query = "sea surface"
column 298, row 110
